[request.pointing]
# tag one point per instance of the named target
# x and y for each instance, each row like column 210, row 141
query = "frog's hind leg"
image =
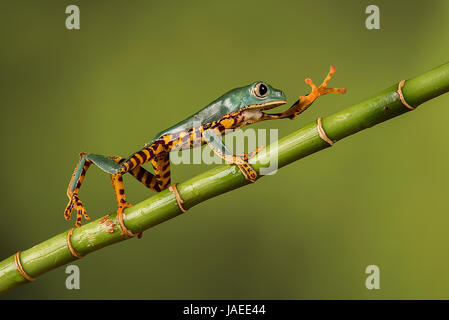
column 107, row 164
column 146, row 178
column 161, row 166
column 158, row 181
column 161, row 178
column 122, row 204
column 73, row 189
column 117, row 182
column 158, row 154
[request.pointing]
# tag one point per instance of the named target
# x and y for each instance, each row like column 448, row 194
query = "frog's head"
column 258, row 95
column 261, row 96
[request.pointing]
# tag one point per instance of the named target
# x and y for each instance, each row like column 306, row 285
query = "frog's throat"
column 266, row 105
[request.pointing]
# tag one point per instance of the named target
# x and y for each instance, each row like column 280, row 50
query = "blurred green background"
column 308, row 232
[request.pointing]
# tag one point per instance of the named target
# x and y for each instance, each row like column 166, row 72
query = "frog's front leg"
column 304, row 102
column 217, row 145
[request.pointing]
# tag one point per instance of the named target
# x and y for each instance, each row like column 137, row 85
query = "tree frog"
column 236, row 108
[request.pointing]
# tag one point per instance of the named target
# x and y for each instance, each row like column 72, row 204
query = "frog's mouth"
column 266, row 105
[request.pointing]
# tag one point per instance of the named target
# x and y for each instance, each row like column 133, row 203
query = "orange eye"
column 261, row 90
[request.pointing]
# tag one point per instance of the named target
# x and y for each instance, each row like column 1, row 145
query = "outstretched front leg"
column 304, row 102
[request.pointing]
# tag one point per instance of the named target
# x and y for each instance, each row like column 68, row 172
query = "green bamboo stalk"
column 54, row 252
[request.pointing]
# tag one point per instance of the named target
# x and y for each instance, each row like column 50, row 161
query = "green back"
column 231, row 101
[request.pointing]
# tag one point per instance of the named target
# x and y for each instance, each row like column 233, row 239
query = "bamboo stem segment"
column 20, row 268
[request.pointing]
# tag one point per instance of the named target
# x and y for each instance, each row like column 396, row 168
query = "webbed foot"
column 323, row 89
column 246, row 169
column 75, row 204
column 241, row 161
column 249, row 173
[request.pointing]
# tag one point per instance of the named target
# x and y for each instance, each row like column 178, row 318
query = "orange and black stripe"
column 161, row 165
column 137, row 159
column 148, row 179
column 119, row 189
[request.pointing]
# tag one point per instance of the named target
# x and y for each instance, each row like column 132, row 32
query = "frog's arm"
column 304, row 102
column 216, row 144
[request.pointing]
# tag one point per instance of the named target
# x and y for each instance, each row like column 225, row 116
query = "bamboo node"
column 322, row 133
column 72, row 250
column 20, row 268
column 401, row 95
column 125, row 231
column 173, row 189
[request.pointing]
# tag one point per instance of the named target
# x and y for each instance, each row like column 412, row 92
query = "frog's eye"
column 260, row 90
